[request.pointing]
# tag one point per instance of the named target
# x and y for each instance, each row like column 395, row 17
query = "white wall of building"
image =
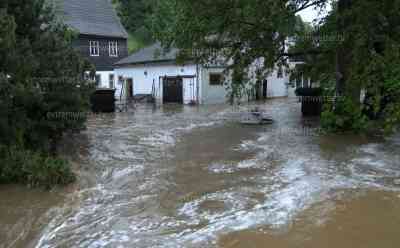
column 104, row 78
column 147, row 76
column 278, row 86
column 211, row 94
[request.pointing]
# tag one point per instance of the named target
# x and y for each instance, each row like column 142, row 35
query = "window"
column 94, row 47
column 98, row 80
column 216, row 79
column 111, row 81
column 113, row 48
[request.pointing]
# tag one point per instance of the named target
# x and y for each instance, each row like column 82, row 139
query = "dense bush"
column 344, row 116
column 380, row 110
column 32, row 168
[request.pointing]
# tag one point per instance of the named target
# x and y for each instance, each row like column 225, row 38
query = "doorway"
column 265, row 88
column 129, row 88
column 173, row 90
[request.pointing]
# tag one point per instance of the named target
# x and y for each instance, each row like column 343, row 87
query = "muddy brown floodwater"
column 194, row 177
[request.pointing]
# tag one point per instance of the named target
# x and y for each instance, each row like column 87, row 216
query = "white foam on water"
column 247, row 145
column 98, row 207
column 193, row 126
column 293, row 171
column 376, row 170
column 301, row 180
column 279, row 208
column 250, row 163
column 220, row 168
column 306, row 181
column 158, row 139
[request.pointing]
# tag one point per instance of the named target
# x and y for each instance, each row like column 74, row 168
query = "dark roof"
column 91, row 17
column 150, row 54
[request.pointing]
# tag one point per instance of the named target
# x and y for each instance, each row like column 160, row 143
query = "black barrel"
column 311, row 101
column 103, row 101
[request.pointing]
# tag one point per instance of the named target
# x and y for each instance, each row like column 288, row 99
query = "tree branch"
column 307, row 5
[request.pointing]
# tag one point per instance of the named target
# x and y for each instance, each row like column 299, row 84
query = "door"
column 265, row 88
column 258, row 90
column 129, row 88
column 173, row 90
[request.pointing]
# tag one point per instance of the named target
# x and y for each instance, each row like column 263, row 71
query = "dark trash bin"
column 311, row 101
column 103, row 101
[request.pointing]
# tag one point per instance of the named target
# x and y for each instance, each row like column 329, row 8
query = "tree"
column 133, row 14
column 241, row 30
column 245, row 30
column 365, row 51
column 41, row 74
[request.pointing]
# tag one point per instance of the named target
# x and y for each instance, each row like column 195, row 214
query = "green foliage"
column 316, row 48
column 134, row 15
column 350, row 50
column 32, row 168
column 135, row 43
column 390, row 104
column 41, row 73
column 344, row 116
column 240, row 31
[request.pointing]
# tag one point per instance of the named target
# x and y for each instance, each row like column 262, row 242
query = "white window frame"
column 113, row 48
column 94, row 48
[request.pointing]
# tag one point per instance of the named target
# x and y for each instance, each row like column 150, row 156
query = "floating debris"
column 256, row 117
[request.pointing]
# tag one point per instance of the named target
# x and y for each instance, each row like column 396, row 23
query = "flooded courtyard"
column 181, row 176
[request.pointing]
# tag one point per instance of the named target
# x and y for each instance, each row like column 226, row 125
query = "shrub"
column 344, row 116
column 32, row 168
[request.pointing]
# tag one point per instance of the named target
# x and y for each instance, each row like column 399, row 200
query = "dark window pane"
column 216, row 79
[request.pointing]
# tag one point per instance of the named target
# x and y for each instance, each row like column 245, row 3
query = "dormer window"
column 94, row 47
column 113, row 48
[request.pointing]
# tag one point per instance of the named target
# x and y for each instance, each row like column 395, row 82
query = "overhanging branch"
column 307, row 5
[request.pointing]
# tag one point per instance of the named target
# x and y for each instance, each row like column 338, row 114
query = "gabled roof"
column 150, row 54
column 91, row 17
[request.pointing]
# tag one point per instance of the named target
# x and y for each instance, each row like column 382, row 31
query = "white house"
column 152, row 72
